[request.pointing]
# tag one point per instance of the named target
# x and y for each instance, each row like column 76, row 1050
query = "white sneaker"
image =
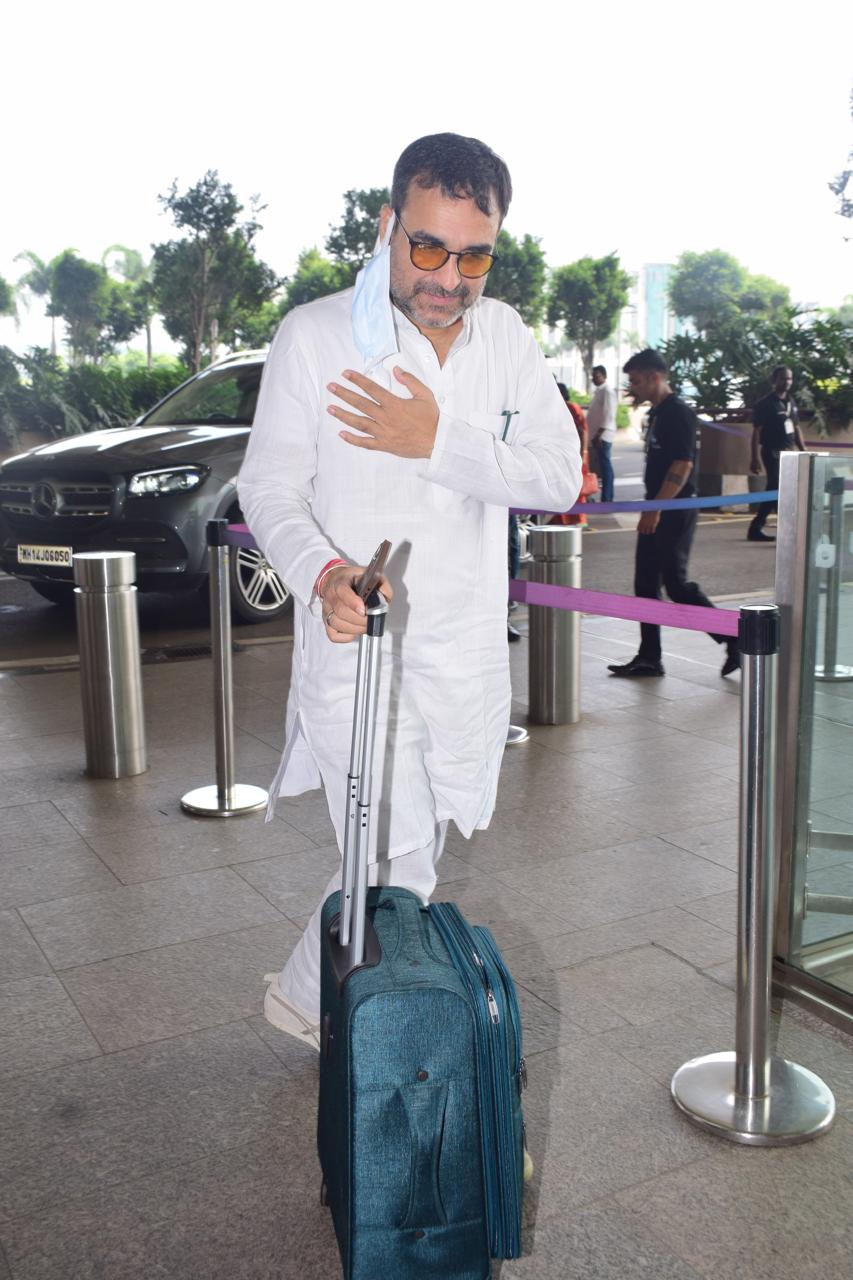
column 286, row 1017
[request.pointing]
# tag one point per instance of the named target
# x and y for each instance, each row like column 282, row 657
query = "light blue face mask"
column 372, row 315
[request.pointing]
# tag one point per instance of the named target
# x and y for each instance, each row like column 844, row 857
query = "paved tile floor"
column 155, row 1126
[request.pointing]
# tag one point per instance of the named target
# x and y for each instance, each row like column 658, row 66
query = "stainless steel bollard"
column 226, row 798
column 554, row 652
column 750, row 1096
column 830, row 669
column 110, row 668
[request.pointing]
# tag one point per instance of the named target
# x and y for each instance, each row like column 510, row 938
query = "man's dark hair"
column 599, row 368
column 779, row 370
column 464, row 168
column 648, row 361
column 564, row 391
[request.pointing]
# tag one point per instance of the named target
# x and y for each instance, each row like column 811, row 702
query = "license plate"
column 54, row 557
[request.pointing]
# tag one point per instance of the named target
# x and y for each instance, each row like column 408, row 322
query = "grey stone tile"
column 716, row 841
column 117, row 806
column 646, row 985
column 309, row 814
column 251, row 1214
column 710, row 717
column 511, row 918
column 152, row 995
column 676, row 930
column 516, row 839
column 782, row 1214
column 452, row 866
column 53, row 871
column 697, row 799
column 39, row 1027
column 602, row 1242
column 294, row 883
column 597, row 1124
column 670, row 758
column 91, row 927
column 717, row 908
column 598, row 730
column 20, row 954
column 27, row 826
column 77, row 1128
column 194, row 844
column 302, row 1061
column 607, row 884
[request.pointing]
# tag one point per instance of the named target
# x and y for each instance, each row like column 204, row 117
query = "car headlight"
column 153, row 484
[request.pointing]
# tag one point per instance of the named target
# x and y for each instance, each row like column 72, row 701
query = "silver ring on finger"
column 329, row 617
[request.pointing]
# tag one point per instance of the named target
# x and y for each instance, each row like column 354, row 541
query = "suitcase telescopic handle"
column 357, row 820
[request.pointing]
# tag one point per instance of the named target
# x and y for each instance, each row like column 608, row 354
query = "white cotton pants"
column 299, row 980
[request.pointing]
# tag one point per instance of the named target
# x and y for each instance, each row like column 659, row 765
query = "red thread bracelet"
column 327, row 568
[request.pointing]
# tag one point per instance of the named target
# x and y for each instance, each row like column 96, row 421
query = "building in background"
column 646, row 321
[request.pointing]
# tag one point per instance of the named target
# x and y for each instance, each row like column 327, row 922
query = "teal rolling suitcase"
column 420, row 1128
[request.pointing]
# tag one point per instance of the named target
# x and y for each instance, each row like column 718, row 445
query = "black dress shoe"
column 512, row 634
column 756, row 535
column 732, row 662
column 636, row 667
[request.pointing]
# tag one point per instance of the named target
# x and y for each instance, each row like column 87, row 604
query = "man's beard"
column 407, row 303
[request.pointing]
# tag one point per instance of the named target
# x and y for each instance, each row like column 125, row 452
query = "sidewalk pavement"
column 153, row 1123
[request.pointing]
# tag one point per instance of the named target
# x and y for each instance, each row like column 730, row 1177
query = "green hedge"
column 39, row 393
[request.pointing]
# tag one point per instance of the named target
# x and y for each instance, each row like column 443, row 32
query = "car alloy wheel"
column 257, row 592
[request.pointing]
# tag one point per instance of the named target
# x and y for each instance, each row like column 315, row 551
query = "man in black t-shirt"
column 776, row 428
column 664, row 538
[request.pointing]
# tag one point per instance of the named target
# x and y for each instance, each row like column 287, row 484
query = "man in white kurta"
column 468, row 421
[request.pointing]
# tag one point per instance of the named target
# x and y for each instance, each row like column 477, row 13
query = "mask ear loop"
column 382, row 242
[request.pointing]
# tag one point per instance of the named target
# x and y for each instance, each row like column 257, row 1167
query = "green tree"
column 7, row 299
column 518, row 276
column 713, row 290
column 207, row 281
column 586, row 297
column 130, row 266
column 80, row 294
column 37, row 283
column 351, row 243
column 315, row 277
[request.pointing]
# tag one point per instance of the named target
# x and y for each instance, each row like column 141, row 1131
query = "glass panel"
column 821, row 929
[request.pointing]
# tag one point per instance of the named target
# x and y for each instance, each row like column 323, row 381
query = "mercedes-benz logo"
column 45, row 500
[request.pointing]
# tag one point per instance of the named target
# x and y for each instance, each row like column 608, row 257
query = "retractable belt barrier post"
column 110, row 667
column 750, row 1096
column 830, row 669
column 227, row 798
column 554, row 651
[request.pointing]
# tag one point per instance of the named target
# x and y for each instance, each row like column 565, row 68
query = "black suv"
column 148, row 488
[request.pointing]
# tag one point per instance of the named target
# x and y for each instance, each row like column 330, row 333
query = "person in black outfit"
column 664, row 538
column 776, row 428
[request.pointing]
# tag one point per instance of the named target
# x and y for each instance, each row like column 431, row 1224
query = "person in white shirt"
column 410, row 408
column 601, row 417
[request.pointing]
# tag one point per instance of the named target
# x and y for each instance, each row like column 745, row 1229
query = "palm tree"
column 134, row 270
column 7, row 299
column 37, row 283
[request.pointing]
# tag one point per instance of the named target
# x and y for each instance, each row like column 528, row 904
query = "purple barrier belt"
column 687, row 617
column 824, row 444
column 670, row 504
column 239, row 536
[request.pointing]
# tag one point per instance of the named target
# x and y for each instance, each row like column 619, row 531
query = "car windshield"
column 217, row 396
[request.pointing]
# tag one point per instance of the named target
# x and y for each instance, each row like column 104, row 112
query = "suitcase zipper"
column 500, row 1160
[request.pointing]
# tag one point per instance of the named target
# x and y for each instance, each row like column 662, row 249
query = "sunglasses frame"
column 459, row 254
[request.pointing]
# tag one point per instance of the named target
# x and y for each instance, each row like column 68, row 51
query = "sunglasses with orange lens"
column 431, row 257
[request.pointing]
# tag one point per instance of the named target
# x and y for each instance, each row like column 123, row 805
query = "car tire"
column 257, row 592
column 56, row 592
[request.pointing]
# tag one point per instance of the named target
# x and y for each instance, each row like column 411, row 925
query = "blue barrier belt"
column 655, row 504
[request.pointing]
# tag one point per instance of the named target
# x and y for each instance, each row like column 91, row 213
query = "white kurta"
column 308, row 497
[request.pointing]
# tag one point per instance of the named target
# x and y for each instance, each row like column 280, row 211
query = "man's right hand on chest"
column 344, row 615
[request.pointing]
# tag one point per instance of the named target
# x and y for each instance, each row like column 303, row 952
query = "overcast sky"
column 642, row 129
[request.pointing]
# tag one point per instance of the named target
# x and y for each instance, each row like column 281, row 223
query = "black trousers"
column 770, row 458
column 662, row 562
